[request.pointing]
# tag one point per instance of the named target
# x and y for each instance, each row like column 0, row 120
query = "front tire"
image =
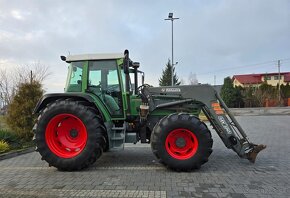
column 181, row 142
column 69, row 135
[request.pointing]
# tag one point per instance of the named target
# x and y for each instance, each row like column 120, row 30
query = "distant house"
column 255, row 80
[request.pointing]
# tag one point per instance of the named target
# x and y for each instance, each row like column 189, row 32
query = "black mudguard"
column 48, row 98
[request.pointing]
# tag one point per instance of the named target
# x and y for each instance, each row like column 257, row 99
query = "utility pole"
column 171, row 18
column 31, row 78
column 279, row 86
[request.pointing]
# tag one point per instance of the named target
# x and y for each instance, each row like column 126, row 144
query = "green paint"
column 85, row 76
column 122, row 85
column 135, row 102
column 101, row 106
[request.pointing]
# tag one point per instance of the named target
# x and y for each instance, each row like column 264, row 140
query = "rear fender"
column 48, row 98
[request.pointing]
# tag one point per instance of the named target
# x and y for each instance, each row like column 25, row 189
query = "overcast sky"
column 211, row 38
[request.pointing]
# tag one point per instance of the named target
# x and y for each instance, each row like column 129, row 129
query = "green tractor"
column 102, row 109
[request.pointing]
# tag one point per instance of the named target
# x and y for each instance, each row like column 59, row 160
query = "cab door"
column 104, row 81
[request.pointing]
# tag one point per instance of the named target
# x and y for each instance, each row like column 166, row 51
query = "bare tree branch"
column 10, row 80
column 192, row 80
column 39, row 73
column 6, row 87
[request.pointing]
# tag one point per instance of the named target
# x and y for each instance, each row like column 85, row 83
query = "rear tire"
column 69, row 135
column 181, row 142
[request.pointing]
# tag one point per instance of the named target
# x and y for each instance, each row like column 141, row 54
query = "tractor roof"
column 71, row 58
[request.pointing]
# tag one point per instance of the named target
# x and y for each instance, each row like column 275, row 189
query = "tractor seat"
column 112, row 104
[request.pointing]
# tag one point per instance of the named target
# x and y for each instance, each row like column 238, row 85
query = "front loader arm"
column 218, row 114
column 230, row 131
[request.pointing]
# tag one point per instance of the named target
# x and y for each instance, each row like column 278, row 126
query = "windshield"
column 74, row 82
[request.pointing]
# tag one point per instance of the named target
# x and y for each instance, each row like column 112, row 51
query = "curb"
column 260, row 111
column 16, row 153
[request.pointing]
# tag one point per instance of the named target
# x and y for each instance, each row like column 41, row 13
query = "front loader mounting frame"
column 214, row 108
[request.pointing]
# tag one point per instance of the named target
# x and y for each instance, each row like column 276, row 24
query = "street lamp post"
column 171, row 18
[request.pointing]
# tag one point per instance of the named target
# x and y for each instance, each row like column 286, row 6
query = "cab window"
column 74, row 82
column 103, row 81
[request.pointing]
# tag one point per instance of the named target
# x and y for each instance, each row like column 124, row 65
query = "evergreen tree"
column 285, row 91
column 232, row 96
column 239, row 97
column 19, row 117
column 165, row 79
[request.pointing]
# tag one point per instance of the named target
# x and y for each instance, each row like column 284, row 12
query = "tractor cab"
column 106, row 76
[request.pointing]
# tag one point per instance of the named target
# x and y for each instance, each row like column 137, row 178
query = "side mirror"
column 126, row 62
column 63, row 58
column 143, row 78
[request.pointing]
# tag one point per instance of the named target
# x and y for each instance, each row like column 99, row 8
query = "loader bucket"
column 251, row 156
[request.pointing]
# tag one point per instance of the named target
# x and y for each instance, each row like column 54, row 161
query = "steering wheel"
column 111, row 89
column 142, row 87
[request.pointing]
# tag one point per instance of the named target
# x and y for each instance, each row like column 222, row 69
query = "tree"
column 21, row 89
column 239, row 97
column 165, row 79
column 19, row 117
column 10, row 80
column 285, row 91
column 265, row 92
column 7, row 87
column 192, row 80
column 232, row 96
column 249, row 98
column 258, row 96
column 36, row 72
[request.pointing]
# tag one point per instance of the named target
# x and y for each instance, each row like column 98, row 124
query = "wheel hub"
column 66, row 135
column 73, row 133
column 180, row 142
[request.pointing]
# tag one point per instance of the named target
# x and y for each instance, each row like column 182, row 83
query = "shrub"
column 11, row 138
column 7, row 136
column 20, row 118
column 4, row 146
column 231, row 95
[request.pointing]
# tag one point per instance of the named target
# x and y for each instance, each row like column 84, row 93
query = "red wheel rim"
column 66, row 135
column 181, row 144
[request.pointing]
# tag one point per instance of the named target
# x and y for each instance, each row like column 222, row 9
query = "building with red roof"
column 255, row 80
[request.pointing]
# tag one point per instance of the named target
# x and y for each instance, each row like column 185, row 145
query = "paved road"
column 261, row 111
column 135, row 173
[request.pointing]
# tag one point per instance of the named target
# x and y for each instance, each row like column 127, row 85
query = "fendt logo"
column 170, row 90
